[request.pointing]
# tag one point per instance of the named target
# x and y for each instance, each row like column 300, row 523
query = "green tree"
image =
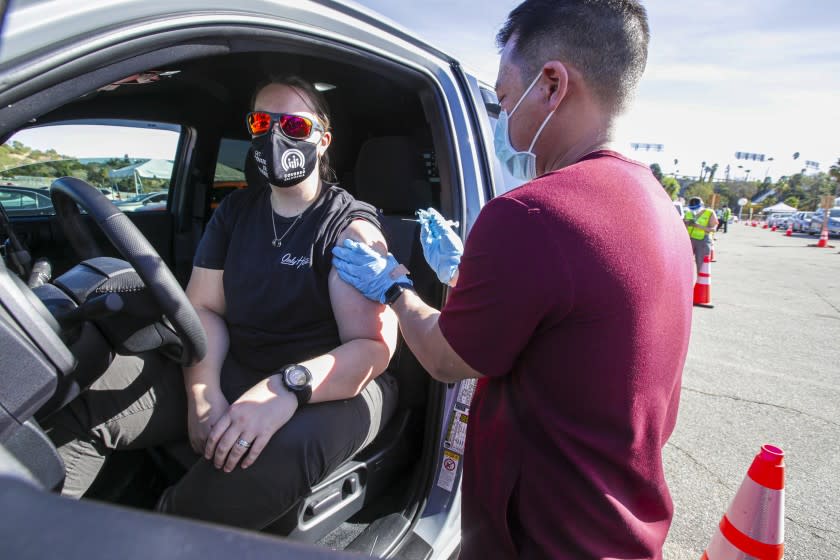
column 657, row 171
column 712, row 170
column 671, row 186
column 834, row 173
column 792, row 201
column 703, row 190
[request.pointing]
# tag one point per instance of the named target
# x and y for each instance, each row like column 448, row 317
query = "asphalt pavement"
column 763, row 367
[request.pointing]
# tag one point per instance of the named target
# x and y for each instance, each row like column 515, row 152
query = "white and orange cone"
column 703, row 286
column 823, row 242
column 789, row 230
column 754, row 524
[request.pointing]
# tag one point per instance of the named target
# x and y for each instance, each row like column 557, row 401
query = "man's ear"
column 555, row 78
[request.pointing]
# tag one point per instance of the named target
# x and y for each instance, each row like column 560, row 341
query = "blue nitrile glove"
column 441, row 245
column 366, row 270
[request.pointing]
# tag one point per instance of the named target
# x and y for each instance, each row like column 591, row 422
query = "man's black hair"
column 606, row 40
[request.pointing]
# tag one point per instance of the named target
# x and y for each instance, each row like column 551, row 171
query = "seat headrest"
column 391, row 175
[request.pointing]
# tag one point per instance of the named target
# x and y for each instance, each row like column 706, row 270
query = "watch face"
column 296, row 377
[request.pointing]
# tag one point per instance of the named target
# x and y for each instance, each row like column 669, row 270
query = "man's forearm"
column 419, row 327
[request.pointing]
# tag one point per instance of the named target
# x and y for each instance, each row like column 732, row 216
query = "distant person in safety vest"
column 701, row 222
column 725, row 215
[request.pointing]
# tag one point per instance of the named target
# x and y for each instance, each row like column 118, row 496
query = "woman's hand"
column 204, row 408
column 248, row 424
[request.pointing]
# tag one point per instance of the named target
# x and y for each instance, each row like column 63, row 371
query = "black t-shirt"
column 278, row 308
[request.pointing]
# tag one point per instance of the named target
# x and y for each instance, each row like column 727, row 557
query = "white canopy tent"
column 149, row 169
column 780, row 208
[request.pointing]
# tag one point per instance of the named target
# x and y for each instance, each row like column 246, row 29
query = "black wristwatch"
column 393, row 293
column 298, row 380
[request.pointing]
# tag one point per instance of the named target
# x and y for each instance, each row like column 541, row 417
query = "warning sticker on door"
column 466, row 392
column 448, row 470
column 457, row 434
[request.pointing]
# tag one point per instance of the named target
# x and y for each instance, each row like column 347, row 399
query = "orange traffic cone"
column 823, row 242
column 754, row 524
column 774, row 228
column 789, row 230
column 754, row 224
column 703, row 287
column 712, row 256
column 765, row 226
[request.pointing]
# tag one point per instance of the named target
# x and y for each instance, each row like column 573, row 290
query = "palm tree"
column 712, row 170
column 834, row 173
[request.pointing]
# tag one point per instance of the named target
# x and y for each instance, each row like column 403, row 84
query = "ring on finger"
column 243, row 443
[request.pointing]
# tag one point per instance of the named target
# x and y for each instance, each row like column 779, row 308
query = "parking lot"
column 763, row 367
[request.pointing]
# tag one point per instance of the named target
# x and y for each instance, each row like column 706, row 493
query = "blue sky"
column 723, row 75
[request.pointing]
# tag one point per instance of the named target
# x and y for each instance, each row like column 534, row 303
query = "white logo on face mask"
column 292, row 159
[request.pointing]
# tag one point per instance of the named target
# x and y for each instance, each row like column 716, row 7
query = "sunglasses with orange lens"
column 293, row 126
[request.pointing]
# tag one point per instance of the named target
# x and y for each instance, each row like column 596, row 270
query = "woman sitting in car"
column 292, row 384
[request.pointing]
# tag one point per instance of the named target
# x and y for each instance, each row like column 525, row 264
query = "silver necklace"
column 278, row 242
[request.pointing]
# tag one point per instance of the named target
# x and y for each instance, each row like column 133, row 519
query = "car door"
column 128, row 159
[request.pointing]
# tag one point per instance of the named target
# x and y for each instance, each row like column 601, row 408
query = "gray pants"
column 141, row 402
column 702, row 248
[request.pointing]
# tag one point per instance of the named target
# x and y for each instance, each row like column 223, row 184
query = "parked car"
column 138, row 201
column 406, row 103
column 787, row 221
column 778, row 219
column 802, row 221
column 25, row 201
column 819, row 217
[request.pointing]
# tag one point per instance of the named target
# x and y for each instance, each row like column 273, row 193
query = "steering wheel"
column 66, row 194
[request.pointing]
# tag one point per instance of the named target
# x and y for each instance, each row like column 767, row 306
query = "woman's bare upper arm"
column 205, row 290
column 357, row 316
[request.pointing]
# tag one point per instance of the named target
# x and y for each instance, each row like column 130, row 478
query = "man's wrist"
column 396, row 290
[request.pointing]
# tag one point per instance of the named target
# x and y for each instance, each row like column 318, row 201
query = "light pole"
column 748, row 175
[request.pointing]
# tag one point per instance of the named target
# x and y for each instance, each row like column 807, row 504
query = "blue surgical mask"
column 522, row 165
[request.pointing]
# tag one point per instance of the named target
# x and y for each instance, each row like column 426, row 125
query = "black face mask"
column 282, row 161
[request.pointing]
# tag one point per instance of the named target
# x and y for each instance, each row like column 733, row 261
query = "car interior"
column 390, row 148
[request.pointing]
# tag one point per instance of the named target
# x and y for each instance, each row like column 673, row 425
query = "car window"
column 22, row 201
column 230, row 169
column 835, row 213
column 128, row 162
